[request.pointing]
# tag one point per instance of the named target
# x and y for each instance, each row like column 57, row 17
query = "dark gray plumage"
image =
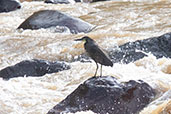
column 94, row 51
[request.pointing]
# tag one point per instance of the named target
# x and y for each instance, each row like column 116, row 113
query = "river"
column 117, row 22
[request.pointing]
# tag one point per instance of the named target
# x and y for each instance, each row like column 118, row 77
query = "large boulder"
column 54, row 18
column 32, row 68
column 105, row 95
column 9, row 5
column 132, row 51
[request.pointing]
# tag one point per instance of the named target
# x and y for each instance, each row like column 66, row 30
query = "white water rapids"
column 117, row 23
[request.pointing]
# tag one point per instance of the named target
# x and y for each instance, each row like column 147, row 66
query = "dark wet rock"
column 9, row 5
column 105, row 95
column 54, row 18
column 132, row 51
column 32, row 68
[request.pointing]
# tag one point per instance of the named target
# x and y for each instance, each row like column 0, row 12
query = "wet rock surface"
column 132, row 51
column 9, row 5
column 54, row 18
column 32, row 68
column 104, row 95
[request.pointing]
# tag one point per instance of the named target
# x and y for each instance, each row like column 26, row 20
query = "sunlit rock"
column 54, row 18
column 9, row 5
column 105, row 95
column 32, row 68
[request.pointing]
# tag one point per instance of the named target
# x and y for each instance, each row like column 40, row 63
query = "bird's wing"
column 98, row 55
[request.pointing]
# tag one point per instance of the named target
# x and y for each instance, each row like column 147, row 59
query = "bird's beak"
column 78, row 39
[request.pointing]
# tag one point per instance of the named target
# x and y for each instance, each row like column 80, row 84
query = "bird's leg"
column 101, row 71
column 96, row 69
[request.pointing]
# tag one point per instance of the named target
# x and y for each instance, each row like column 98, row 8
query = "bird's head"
column 85, row 39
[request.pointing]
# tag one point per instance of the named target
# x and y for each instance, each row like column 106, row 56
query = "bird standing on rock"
column 94, row 51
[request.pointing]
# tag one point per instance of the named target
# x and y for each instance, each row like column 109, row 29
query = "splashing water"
column 117, row 23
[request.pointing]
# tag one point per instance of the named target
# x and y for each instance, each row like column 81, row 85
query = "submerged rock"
column 32, row 68
column 105, row 95
column 54, row 18
column 9, row 5
column 132, row 51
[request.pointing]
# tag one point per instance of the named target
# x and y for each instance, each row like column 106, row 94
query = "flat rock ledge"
column 105, row 95
column 33, row 68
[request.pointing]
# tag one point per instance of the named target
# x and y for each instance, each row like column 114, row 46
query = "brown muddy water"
column 117, row 22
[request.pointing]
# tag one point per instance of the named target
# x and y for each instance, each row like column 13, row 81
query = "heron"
column 97, row 54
